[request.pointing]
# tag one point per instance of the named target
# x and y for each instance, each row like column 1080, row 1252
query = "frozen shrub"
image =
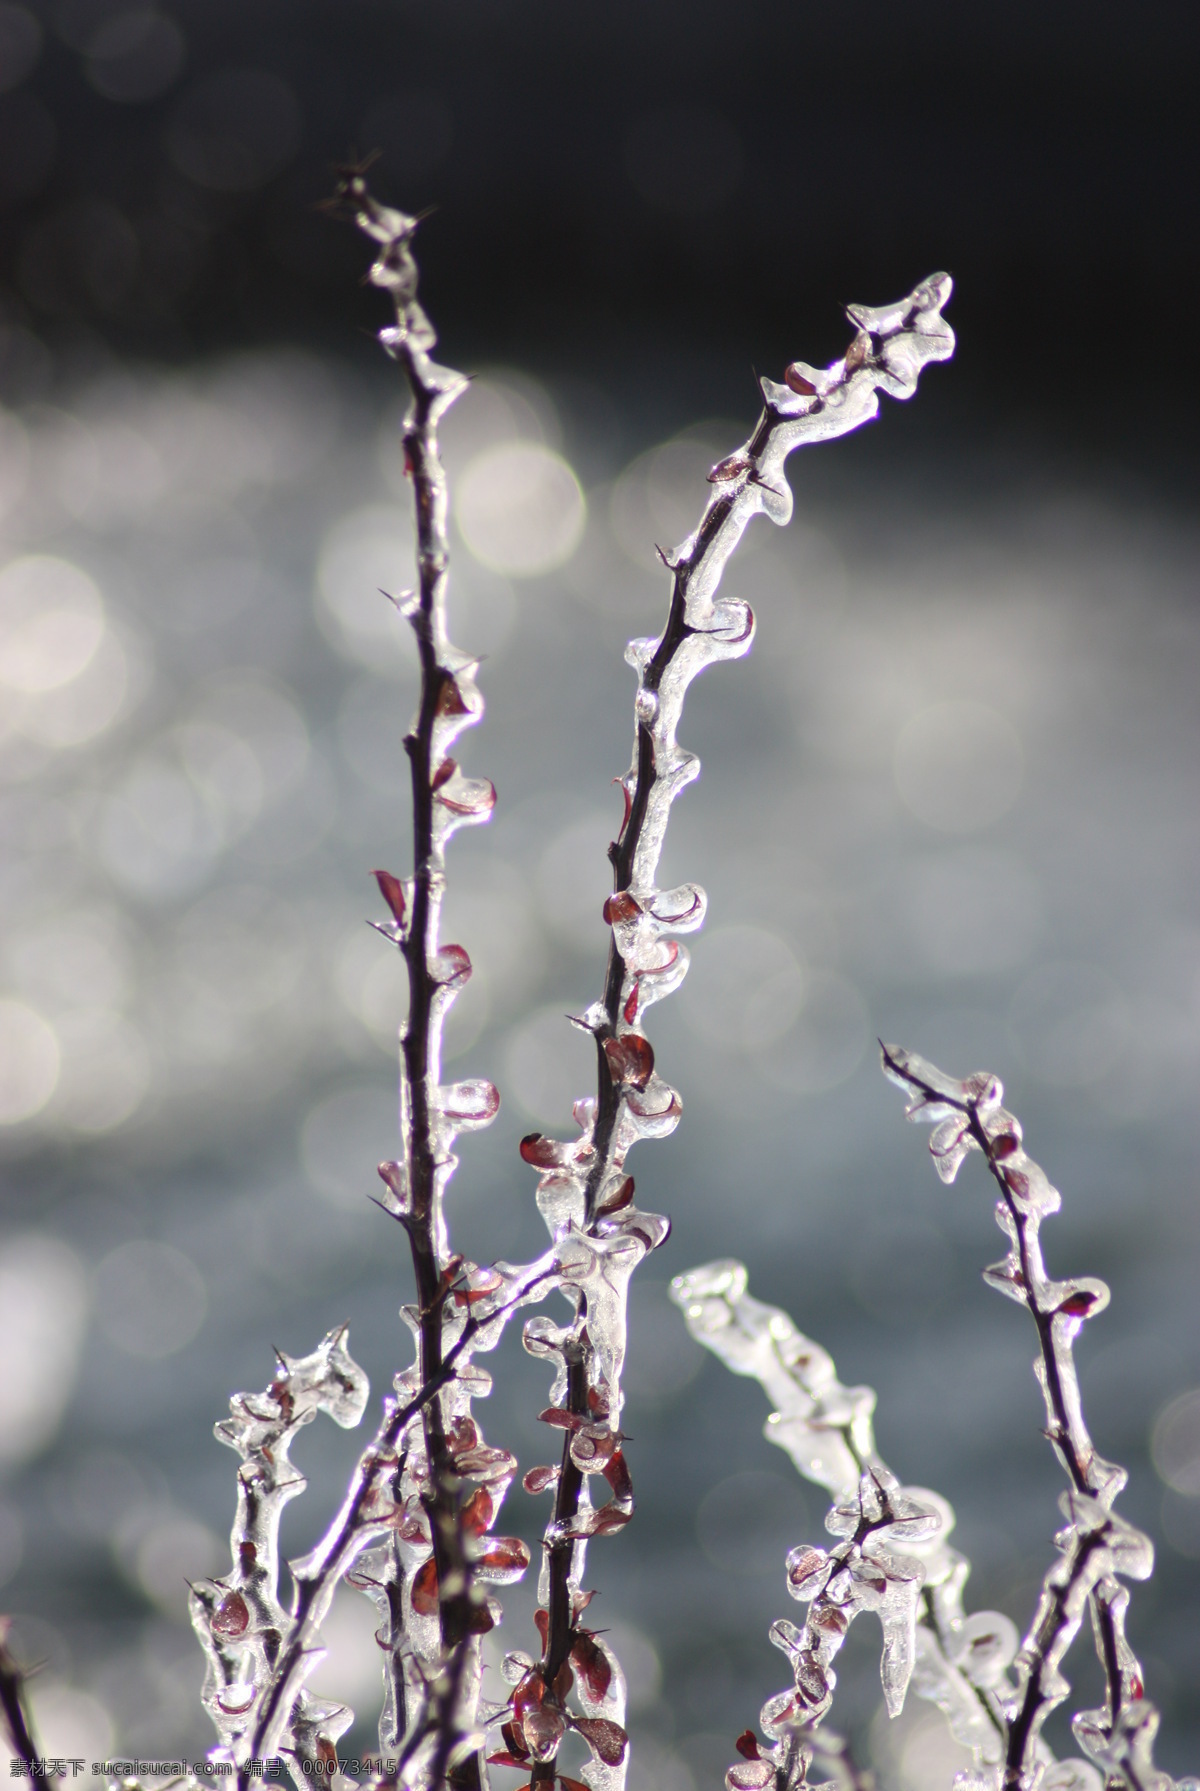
column 417, row 1532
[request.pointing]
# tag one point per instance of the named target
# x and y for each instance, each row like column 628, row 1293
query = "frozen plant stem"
column 441, row 798
column 414, row 1532
column 893, row 1558
column 888, row 351
column 1096, row 1545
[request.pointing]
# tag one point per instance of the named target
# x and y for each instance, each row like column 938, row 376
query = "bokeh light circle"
column 520, row 509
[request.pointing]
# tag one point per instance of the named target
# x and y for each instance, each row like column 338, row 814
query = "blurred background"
column 951, row 798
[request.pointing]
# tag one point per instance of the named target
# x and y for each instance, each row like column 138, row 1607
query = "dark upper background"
column 617, row 185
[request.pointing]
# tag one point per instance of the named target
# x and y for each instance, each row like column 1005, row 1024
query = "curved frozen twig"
column 893, row 1559
column 584, row 1191
column 1096, row 1545
column 259, row 1710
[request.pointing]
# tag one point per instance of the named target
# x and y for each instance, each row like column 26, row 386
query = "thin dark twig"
column 12, row 1707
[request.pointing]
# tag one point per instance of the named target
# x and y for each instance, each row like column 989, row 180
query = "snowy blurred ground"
column 951, row 798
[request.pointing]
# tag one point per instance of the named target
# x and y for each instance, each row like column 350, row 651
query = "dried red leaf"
column 755, row 1775
column 247, row 1556
column 479, row 1620
column 619, row 907
column 676, row 918
column 670, row 1109
column 671, row 952
column 629, row 1012
column 649, row 1237
column 327, row 1754
column 467, row 1296
column 484, row 1463
column 1004, row 1146
column 506, row 1553
column 597, row 1401
column 443, row 774
column 544, row 1729
column 1078, row 1305
column 560, row 1418
column 412, row 1527
column 795, row 381
column 237, row 1709
column 529, row 1695
column 508, row 1760
column 732, row 467
column 392, row 1174
column 480, row 1102
column 281, row 1393
column 832, row 1620
column 449, row 1274
column 232, row 1616
column 514, row 1740
column 592, row 1664
column 747, row 1745
column 564, row 1679
column 464, row 1433
column 630, row 1059
column 450, row 967
column 616, row 1472
column 537, row 1480
column 590, row 1447
column 606, row 1739
column 481, row 799
column 618, row 1199
column 610, row 1517
column 544, row 1153
column 425, row 1589
column 1016, row 1181
column 857, row 353
column 392, row 891
column 626, row 795
column 806, row 1565
column 450, row 700
column 478, row 1512
column 541, row 1622
column 746, row 627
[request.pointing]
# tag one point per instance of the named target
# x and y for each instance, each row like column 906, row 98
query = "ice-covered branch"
column 241, row 1623
column 894, row 1558
column 1096, row 1544
column 433, row 1613
column 584, row 1192
column 427, row 1491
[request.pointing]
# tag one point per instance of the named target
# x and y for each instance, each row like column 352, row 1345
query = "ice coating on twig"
column 893, row 1558
column 1096, row 1545
column 585, row 1193
column 415, row 1530
column 429, row 1579
column 239, row 1618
